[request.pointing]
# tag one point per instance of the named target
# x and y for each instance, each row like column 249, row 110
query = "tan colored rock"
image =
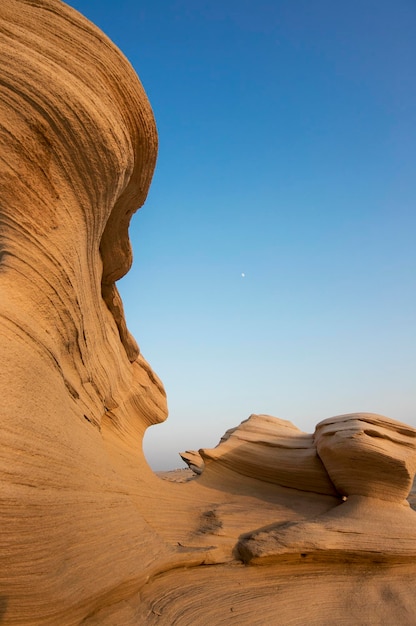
column 78, row 145
column 372, row 461
column 194, row 460
column 89, row 535
column 368, row 455
column 273, row 450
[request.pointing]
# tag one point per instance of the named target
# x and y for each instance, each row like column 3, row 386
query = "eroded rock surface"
column 88, row 533
column 194, row 460
column 275, row 451
column 368, row 455
column 372, row 461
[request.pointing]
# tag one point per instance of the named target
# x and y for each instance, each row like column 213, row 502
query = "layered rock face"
column 78, row 149
column 88, row 533
column 371, row 460
column 368, row 455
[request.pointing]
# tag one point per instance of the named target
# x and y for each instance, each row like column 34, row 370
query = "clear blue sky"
column 287, row 153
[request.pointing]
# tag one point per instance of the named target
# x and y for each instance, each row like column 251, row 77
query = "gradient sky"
column 287, row 136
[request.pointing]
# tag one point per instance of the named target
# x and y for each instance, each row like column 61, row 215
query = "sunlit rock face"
column 275, row 451
column 368, row 455
column 78, row 149
column 88, row 533
column 371, row 460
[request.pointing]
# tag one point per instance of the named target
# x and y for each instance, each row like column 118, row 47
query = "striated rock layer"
column 291, row 525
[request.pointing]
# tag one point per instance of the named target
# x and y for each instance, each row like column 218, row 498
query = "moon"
column 242, row 275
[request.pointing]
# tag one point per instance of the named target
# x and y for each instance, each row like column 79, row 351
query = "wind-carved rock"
column 371, row 460
column 78, row 149
column 194, row 461
column 89, row 534
column 275, row 451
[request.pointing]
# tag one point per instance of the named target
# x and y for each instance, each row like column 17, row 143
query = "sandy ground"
column 181, row 475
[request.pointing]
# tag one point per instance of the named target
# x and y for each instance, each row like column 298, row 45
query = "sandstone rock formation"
column 88, row 533
column 372, row 461
column 194, row 460
column 274, row 450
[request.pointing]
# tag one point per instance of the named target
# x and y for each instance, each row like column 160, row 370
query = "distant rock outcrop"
column 89, row 534
column 194, row 461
